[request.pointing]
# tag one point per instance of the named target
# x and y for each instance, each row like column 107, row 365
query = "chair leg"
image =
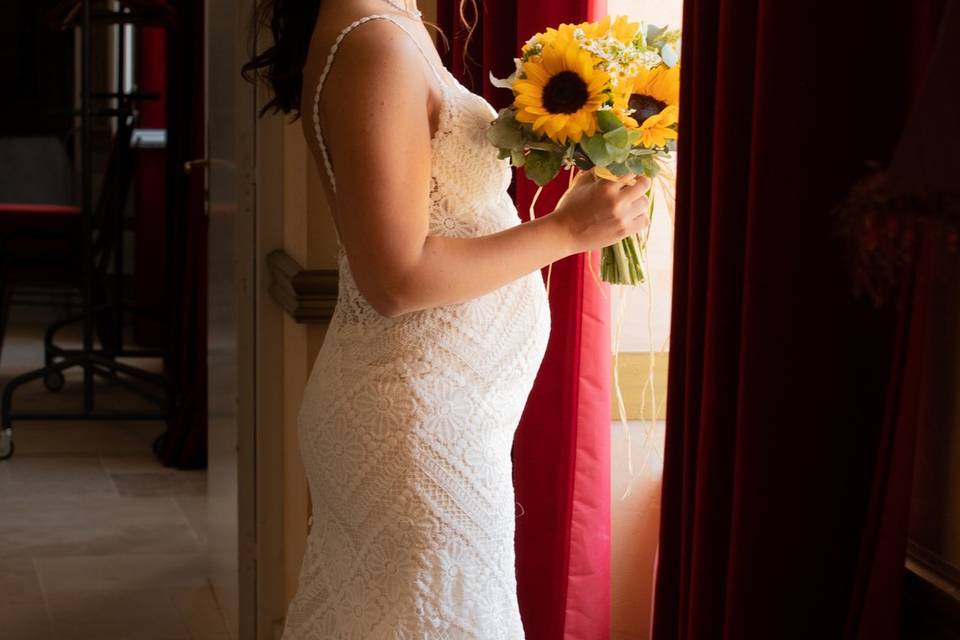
column 5, row 299
column 6, row 434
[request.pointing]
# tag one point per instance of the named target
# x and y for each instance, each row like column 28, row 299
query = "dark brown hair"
column 291, row 24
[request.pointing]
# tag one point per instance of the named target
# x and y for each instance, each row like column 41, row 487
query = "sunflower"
column 560, row 90
column 621, row 29
column 653, row 95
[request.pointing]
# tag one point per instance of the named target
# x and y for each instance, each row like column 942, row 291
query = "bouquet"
column 601, row 96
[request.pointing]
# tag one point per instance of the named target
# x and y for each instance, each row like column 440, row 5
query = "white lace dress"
column 407, row 424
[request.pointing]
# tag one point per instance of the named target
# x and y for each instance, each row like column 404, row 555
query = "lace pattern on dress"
column 406, row 428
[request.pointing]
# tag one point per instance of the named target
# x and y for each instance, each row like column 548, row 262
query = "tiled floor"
column 97, row 539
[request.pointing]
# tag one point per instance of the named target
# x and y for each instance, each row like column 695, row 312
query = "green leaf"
column 506, row 132
column 517, row 158
column 644, row 165
column 619, row 169
column 618, row 144
column 635, row 164
column 607, row 120
column 650, row 166
column 581, row 159
column 545, row 145
column 618, row 138
column 655, row 33
column 542, row 166
column 583, row 163
column 596, row 149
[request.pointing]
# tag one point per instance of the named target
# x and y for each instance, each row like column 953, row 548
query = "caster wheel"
column 6, row 444
column 54, row 381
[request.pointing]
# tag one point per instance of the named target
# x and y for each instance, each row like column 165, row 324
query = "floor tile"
column 195, row 510
column 88, row 438
column 18, row 582
column 94, row 525
column 184, row 483
column 98, row 540
column 54, row 475
column 133, row 572
column 26, row 620
column 95, row 615
column 144, row 462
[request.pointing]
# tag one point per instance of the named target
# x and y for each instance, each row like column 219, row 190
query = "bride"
column 441, row 323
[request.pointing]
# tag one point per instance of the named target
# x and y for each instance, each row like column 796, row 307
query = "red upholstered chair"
column 41, row 245
column 38, row 247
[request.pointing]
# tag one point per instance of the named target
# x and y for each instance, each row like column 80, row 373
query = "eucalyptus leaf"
column 596, row 149
column 636, row 165
column 542, row 166
column 655, row 33
column 608, row 120
column 650, row 167
column 505, row 132
column 618, row 138
column 619, row 169
column 544, row 145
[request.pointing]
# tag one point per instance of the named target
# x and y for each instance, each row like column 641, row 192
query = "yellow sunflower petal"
column 555, row 123
column 528, row 101
column 541, row 122
column 552, row 61
column 526, row 87
column 525, row 115
column 535, row 73
column 571, row 59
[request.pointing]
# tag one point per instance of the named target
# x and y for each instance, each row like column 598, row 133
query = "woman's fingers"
column 638, row 188
column 641, row 206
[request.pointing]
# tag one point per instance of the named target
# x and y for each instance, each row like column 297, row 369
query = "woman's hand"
column 598, row 212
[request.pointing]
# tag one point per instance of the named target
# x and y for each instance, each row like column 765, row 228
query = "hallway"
column 97, row 539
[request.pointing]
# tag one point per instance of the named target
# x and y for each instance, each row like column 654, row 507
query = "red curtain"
column 184, row 444
column 562, row 448
column 783, row 491
column 150, row 192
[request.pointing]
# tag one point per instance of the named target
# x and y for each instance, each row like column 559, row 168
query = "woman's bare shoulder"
column 378, row 43
column 373, row 54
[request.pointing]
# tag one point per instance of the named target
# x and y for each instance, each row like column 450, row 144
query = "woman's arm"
column 376, row 106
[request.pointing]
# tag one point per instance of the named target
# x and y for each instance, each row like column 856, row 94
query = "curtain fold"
column 561, row 451
column 184, row 443
column 781, row 448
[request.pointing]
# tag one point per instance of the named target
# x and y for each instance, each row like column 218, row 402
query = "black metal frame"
column 94, row 362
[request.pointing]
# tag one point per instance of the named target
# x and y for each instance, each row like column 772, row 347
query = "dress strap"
column 326, row 70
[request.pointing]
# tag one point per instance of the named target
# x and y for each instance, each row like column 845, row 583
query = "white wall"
column 646, row 327
column 646, row 311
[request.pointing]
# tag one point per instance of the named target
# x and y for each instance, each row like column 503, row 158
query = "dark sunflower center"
column 565, row 92
column 645, row 106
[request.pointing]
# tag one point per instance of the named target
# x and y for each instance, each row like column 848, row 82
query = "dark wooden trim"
column 931, row 596
column 308, row 296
